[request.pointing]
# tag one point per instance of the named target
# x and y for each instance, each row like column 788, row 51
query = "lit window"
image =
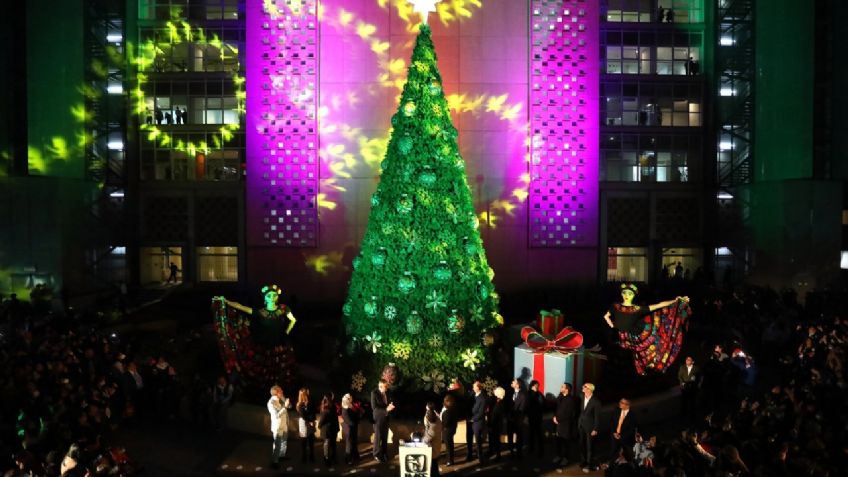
column 217, row 264
column 627, row 264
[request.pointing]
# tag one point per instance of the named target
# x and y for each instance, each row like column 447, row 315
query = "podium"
column 416, row 459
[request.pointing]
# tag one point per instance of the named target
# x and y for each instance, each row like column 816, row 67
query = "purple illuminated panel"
column 564, row 79
column 282, row 124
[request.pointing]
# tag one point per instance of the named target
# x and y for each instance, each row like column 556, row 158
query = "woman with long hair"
column 328, row 423
column 306, row 424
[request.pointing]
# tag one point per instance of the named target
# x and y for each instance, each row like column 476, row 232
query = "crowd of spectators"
column 771, row 396
column 66, row 386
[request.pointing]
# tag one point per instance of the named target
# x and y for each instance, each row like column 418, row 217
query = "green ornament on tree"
column 427, row 177
column 406, row 283
column 371, row 307
column 442, row 272
column 414, row 323
column 405, row 144
column 404, row 205
column 379, row 257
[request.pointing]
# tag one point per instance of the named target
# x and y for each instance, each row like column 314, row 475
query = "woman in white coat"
column 278, row 407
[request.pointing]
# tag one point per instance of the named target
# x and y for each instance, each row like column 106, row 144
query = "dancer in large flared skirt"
column 654, row 333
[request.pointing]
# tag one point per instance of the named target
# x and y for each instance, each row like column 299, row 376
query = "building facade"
column 188, row 173
column 655, row 141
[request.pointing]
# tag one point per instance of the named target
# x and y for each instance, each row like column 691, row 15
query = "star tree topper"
column 423, row 8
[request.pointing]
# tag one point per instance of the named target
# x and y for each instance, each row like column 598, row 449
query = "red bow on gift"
column 566, row 341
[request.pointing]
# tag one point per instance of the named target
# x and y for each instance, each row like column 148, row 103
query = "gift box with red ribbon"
column 551, row 369
column 550, row 322
column 552, row 362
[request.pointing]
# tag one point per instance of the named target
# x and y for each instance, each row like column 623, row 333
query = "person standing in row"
column 688, row 376
column 587, row 426
column 478, row 419
column 515, row 424
column 382, row 405
column 328, row 423
column 464, row 404
column 497, row 421
column 433, row 435
column 450, row 420
column 306, row 425
column 624, row 432
column 278, row 406
column 462, row 410
column 565, row 419
column 350, row 429
column 535, row 407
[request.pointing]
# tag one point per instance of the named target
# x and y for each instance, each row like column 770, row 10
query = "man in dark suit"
column 688, row 376
column 535, row 408
column 517, row 414
column 478, row 419
column 623, row 427
column 587, row 426
column 565, row 419
column 382, row 405
column 463, row 401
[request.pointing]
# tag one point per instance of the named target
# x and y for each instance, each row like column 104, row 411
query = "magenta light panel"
column 282, row 122
column 564, row 78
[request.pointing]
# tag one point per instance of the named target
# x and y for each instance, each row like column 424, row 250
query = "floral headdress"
column 629, row 286
column 271, row 288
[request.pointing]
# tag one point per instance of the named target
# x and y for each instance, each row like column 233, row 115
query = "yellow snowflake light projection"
column 150, row 56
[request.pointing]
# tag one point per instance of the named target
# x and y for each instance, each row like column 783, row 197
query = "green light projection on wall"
column 145, row 59
column 56, row 117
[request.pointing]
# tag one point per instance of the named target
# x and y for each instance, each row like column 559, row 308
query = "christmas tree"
column 421, row 293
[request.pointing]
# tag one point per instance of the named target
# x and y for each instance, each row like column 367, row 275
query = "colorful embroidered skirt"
column 657, row 345
column 259, row 365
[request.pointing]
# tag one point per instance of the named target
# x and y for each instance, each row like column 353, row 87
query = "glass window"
column 662, row 53
column 192, row 109
column 176, row 52
column 223, row 165
column 173, row 162
column 629, row 11
column 650, row 105
column 627, row 264
column 646, row 158
column 681, row 263
column 156, row 265
column 679, row 11
column 217, row 264
column 188, row 9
